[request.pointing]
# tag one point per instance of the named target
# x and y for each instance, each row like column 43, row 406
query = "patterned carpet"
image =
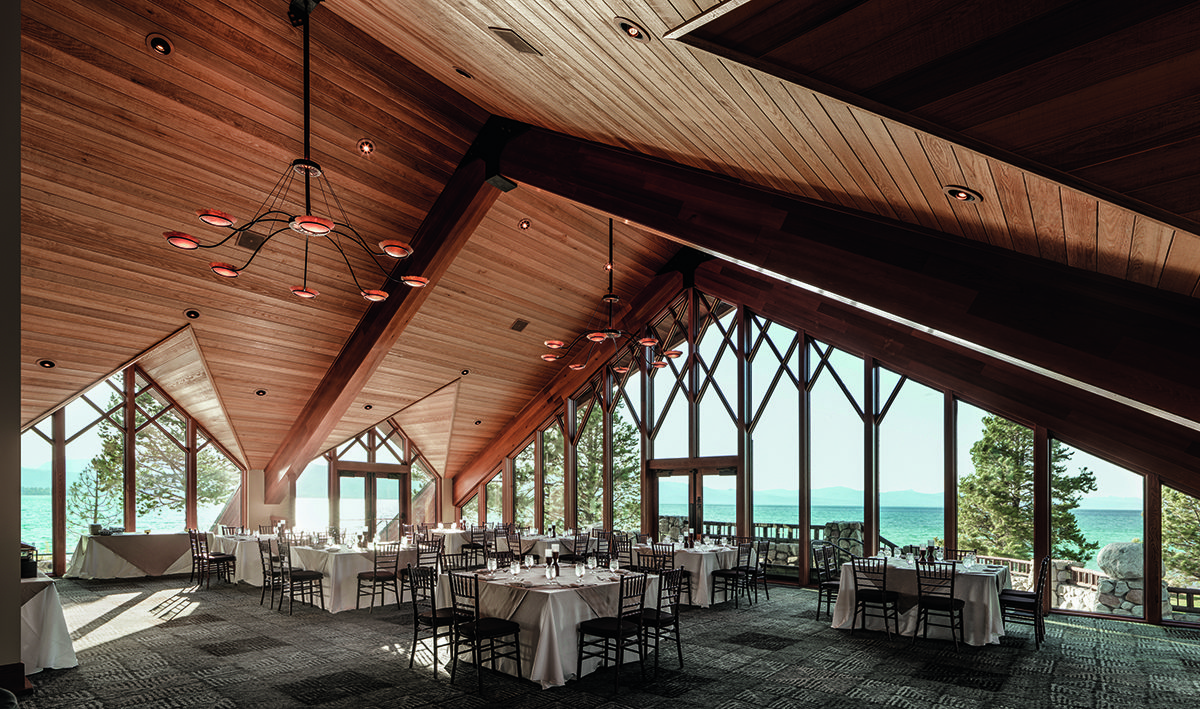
column 153, row 643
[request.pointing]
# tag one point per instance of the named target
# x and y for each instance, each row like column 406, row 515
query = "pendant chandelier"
column 274, row 218
column 606, row 332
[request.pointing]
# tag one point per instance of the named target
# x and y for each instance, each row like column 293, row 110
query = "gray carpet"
column 155, row 643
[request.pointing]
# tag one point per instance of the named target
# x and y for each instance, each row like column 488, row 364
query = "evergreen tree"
column 95, row 496
column 1181, row 536
column 995, row 501
column 627, row 471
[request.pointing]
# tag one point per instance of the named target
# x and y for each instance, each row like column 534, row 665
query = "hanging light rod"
column 607, row 332
column 275, row 219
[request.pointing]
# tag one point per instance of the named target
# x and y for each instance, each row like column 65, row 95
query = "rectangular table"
column 701, row 561
column 454, row 539
column 549, row 614
column 341, row 567
column 45, row 639
column 983, row 622
column 130, row 556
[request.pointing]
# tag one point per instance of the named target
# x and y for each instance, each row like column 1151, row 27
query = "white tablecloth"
column 982, row 619
column 341, row 569
column 248, row 565
column 45, row 640
column 454, row 539
column 701, row 562
column 130, row 556
column 549, row 616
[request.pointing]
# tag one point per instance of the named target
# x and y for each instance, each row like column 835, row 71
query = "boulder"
column 1122, row 560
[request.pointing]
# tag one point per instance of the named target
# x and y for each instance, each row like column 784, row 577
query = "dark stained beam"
column 450, row 222
column 1108, row 333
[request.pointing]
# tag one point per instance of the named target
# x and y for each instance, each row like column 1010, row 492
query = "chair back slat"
column 869, row 573
column 670, row 585
column 387, row 557
column 633, row 595
column 464, row 590
column 935, row 579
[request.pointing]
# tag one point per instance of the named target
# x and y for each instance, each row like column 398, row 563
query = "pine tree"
column 1181, row 536
column 95, row 496
column 995, row 501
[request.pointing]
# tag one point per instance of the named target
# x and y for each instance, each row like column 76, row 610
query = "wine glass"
column 591, row 562
column 491, row 564
column 579, row 570
column 614, row 564
column 939, row 554
column 514, row 567
column 529, row 561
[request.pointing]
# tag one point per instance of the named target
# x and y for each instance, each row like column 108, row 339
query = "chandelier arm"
column 352, row 234
column 260, row 248
column 346, row 259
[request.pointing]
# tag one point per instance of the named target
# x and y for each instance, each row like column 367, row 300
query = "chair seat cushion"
column 942, row 603
column 1012, row 593
column 1015, row 602
column 489, row 628
column 656, row 618
column 441, row 616
column 306, row 575
column 729, row 573
column 609, row 627
column 875, row 595
column 831, row 585
column 376, row 575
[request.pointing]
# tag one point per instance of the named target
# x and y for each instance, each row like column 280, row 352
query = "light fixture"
column 47, row 363
column 159, row 44
column 630, row 29
column 275, row 218
column 524, row 224
column 191, row 314
column 607, row 332
column 260, row 392
column 962, row 194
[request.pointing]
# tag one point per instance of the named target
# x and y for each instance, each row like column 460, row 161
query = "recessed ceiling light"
column 47, row 363
column 477, row 422
column 524, row 224
column 631, row 29
column 465, row 372
column 366, row 147
column 159, row 44
column 191, row 314
column 463, row 73
column 368, row 407
column 962, row 194
column 261, row 392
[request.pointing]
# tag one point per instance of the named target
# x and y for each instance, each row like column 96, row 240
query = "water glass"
column 491, row 564
column 549, row 571
column 939, row 554
column 614, row 564
column 579, row 570
column 514, row 568
column 528, row 561
column 591, row 562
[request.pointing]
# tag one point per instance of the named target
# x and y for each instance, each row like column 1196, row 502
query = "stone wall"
column 850, row 534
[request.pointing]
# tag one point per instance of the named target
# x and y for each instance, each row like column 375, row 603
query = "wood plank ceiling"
column 120, row 144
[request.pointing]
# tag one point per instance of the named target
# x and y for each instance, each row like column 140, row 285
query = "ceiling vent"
column 519, row 324
column 250, row 240
column 514, row 40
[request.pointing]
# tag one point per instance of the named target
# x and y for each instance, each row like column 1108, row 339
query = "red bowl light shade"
column 597, row 336
column 647, row 342
column 180, row 240
column 374, row 296
column 620, row 370
column 576, row 366
column 395, row 249
column 305, row 292
column 551, row 357
column 554, row 344
column 226, row 270
column 313, row 226
column 659, row 364
column 672, row 354
column 415, row 281
column 215, row 217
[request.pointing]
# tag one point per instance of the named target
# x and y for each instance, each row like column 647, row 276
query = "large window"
column 1096, row 534
column 553, row 494
column 1181, row 555
column 495, row 499
column 912, row 471
column 423, row 488
column 589, row 465
column 312, row 495
column 161, row 463
column 668, row 414
column 524, row 486
column 774, row 378
column 627, row 467
column 836, row 446
column 717, row 372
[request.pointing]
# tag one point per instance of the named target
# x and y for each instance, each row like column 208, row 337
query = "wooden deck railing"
column 1184, row 599
column 1016, row 567
column 1086, row 577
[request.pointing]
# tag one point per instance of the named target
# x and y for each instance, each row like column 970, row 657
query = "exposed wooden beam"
column 1106, row 333
column 441, row 236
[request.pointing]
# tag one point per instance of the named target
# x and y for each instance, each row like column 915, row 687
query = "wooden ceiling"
column 120, row 144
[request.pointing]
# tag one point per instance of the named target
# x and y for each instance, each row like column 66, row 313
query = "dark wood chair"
column 616, row 634
column 579, row 549
column 668, row 550
column 476, row 544
column 298, row 582
column 484, row 637
column 827, row 574
column 1027, row 606
column 272, row 571
column 204, row 562
column 230, row 530
column 956, row 554
column 871, row 595
column 762, row 550
column 384, row 575
column 266, row 529
column 438, row 623
column 428, row 552
column 736, row 579
column 935, row 597
column 662, row 621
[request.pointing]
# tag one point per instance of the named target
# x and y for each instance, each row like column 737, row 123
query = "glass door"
column 373, row 503
column 701, row 497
